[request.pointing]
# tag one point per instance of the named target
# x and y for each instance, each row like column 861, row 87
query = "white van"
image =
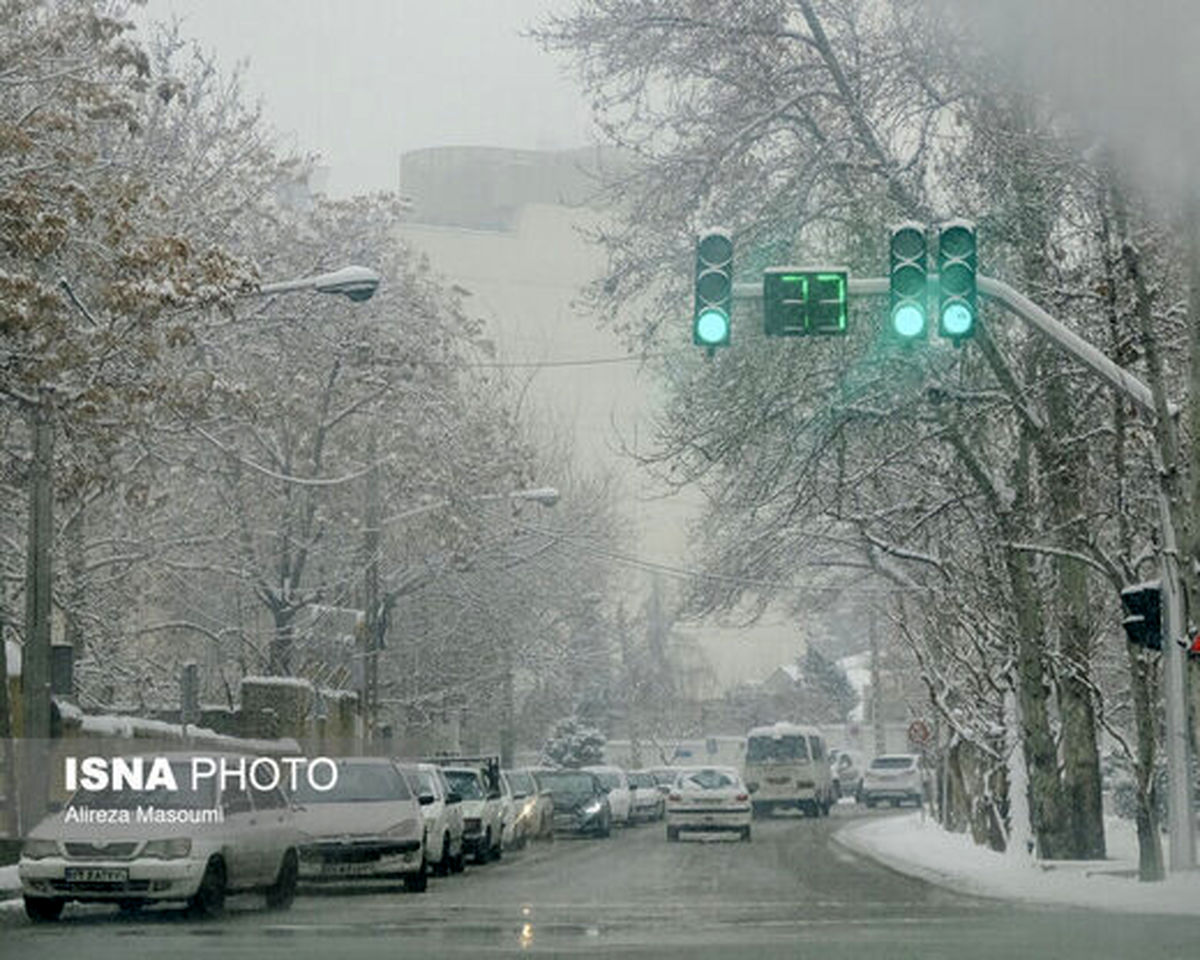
column 787, row 765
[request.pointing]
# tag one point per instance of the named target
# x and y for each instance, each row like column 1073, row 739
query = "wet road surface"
column 791, row 892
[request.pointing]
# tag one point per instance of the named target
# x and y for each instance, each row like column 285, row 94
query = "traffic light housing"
column 907, row 281
column 957, row 262
column 714, row 289
column 1143, row 619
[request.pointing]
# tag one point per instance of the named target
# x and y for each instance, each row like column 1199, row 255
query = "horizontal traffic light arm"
column 1117, row 377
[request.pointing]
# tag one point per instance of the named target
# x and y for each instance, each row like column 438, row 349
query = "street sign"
column 918, row 732
column 798, row 301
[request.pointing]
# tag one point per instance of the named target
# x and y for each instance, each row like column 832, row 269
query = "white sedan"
column 708, row 799
column 368, row 826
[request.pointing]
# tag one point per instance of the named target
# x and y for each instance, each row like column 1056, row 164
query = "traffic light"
column 907, row 281
column 1143, row 621
column 714, row 289
column 798, row 301
column 956, row 280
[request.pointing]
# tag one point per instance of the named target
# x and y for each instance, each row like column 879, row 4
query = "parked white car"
column 441, row 809
column 221, row 841
column 616, row 783
column 707, row 799
column 482, row 809
column 368, row 826
column 649, row 803
column 895, row 777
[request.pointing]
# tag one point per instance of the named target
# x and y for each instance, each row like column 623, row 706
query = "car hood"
column 355, row 819
column 570, row 802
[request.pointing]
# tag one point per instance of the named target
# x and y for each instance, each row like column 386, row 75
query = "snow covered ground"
column 917, row 846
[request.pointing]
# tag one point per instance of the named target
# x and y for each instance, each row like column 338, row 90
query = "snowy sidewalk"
column 918, row 847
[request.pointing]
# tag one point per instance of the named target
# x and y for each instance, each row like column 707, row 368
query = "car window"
column 776, row 749
column 359, row 783
column 568, row 782
column 708, row 780
column 272, row 799
column 466, row 783
column 425, row 784
column 235, row 799
column 892, row 763
column 608, row 780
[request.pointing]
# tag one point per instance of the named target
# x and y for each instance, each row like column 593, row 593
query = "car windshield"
column 466, row 783
column 893, row 763
column 424, row 782
column 782, row 749
column 184, row 796
column 608, row 779
column 358, row 783
column 568, row 783
column 521, row 783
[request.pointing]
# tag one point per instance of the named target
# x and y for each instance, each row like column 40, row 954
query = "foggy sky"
column 1126, row 71
column 360, row 81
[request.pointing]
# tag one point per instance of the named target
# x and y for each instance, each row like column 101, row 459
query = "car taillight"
column 674, row 796
column 742, row 797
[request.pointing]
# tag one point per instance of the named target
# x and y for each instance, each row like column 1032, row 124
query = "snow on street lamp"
column 357, row 283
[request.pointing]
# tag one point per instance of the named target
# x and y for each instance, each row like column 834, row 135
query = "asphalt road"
column 789, row 893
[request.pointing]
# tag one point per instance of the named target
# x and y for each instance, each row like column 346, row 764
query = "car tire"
column 673, row 834
column 417, row 882
column 485, row 848
column 43, row 909
column 283, row 891
column 605, row 828
column 745, row 835
column 209, row 898
column 458, row 863
column 870, row 802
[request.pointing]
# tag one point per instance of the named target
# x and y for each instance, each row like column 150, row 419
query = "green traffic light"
column 908, row 321
column 957, row 320
column 712, row 327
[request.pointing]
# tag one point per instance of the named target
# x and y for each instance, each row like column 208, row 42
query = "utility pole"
column 374, row 623
column 35, row 671
column 876, row 717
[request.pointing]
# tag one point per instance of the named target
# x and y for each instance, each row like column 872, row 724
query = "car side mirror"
column 426, row 799
column 494, row 795
column 453, row 797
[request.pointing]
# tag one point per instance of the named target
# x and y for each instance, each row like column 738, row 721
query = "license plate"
column 347, row 869
column 97, row 874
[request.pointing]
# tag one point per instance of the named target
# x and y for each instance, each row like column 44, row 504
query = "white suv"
column 896, row 777
column 441, row 809
column 220, row 841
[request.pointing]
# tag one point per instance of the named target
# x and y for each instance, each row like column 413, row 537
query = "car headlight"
column 527, row 810
column 174, row 849
column 593, row 808
column 39, row 849
column 405, row 828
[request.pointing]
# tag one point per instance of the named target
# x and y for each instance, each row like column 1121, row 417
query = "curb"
column 845, row 838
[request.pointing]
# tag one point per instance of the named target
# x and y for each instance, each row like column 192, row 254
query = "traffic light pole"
column 1181, row 820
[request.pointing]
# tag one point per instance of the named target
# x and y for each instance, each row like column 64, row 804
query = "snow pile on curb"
column 917, row 846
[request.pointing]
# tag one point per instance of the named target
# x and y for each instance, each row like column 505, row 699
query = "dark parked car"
column 580, row 801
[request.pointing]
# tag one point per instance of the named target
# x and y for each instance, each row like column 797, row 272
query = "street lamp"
column 357, row 283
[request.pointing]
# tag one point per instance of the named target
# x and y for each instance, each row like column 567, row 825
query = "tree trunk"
column 279, row 660
column 1081, row 755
